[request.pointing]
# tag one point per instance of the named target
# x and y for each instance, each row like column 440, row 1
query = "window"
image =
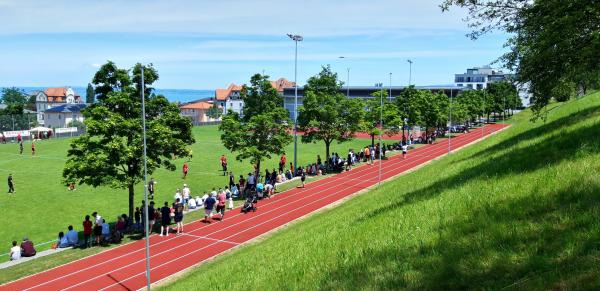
column 59, row 117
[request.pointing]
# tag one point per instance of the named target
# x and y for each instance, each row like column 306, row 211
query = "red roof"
column 198, row 105
column 282, row 83
column 58, row 92
column 223, row 94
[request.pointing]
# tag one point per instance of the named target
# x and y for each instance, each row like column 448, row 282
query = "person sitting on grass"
column 15, row 251
column 120, row 226
column 192, row 203
column 62, row 240
column 27, row 249
column 199, row 201
column 72, row 236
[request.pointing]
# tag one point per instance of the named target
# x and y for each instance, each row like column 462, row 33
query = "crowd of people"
column 253, row 187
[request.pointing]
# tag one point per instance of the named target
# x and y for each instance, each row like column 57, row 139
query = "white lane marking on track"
column 333, row 179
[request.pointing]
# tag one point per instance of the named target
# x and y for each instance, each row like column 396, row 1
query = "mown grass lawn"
column 519, row 210
column 42, row 206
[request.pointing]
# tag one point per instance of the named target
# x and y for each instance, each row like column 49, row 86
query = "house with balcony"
column 230, row 98
column 53, row 97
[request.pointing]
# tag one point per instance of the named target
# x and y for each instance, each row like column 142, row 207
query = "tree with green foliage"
column 502, row 95
column 433, row 108
column 13, row 116
column 472, row 100
column 374, row 115
column 551, row 42
column 408, row 107
column 111, row 152
column 326, row 114
column 264, row 128
column 214, row 111
column 89, row 94
column 564, row 90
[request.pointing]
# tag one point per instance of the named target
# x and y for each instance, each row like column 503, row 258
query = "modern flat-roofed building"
column 364, row 92
column 479, row 77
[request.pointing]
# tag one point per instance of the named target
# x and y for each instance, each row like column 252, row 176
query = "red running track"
column 122, row 268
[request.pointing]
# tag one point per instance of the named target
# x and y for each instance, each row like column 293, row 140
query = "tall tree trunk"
column 327, row 144
column 132, row 200
column 372, row 139
column 257, row 174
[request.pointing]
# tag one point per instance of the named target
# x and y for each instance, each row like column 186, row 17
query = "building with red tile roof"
column 231, row 99
column 198, row 111
column 53, row 97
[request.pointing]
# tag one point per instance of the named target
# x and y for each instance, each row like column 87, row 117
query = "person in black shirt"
column 165, row 219
column 231, row 180
column 21, row 148
column 11, row 186
column 137, row 217
column 179, row 215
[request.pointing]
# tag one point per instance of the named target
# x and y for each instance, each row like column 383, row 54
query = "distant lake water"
column 174, row 95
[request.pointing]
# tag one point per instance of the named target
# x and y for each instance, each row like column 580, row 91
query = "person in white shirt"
column 178, row 195
column 72, row 236
column 192, row 203
column 15, row 251
column 198, row 201
column 97, row 217
column 404, row 150
column 186, row 195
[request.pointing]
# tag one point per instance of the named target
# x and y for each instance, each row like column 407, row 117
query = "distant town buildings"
column 364, row 92
column 198, row 111
column 53, row 97
column 479, row 77
column 62, row 115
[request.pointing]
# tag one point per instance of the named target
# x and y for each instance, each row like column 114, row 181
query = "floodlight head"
column 341, row 57
column 295, row 37
column 409, row 61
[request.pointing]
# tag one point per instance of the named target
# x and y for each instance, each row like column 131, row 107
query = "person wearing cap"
column 27, row 249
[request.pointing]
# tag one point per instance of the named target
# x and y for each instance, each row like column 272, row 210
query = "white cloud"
column 239, row 17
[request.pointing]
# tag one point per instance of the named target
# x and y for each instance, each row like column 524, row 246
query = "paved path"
column 122, row 268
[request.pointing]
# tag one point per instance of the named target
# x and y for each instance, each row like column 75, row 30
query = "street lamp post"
column 410, row 62
column 147, row 226
column 347, row 79
column 380, row 85
column 296, row 39
column 450, row 121
column 390, row 97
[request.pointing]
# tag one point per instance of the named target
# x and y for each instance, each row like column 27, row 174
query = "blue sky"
column 209, row 44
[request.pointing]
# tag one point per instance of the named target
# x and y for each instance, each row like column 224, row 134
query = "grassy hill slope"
column 519, row 210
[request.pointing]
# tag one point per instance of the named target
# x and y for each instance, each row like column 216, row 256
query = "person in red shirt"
column 224, row 164
column 87, row 231
column 282, row 163
column 185, row 170
column 27, row 249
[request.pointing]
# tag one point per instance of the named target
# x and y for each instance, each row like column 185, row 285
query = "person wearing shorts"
column 209, row 204
column 221, row 200
column 178, row 215
column 368, row 155
column 165, row 219
column 404, row 151
column 87, row 231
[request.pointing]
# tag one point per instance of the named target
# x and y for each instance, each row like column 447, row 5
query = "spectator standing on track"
column 404, row 151
column 72, row 236
column 209, row 204
column 302, row 177
column 185, row 170
column 179, row 216
column 27, row 249
column 224, row 164
column 229, row 197
column 368, row 155
column 165, row 220
column 87, row 231
column 251, row 182
column 15, row 251
column 221, row 200
column 151, row 216
column 11, row 185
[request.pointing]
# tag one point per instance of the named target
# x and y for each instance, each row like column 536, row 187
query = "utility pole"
column 296, row 39
column 147, row 225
